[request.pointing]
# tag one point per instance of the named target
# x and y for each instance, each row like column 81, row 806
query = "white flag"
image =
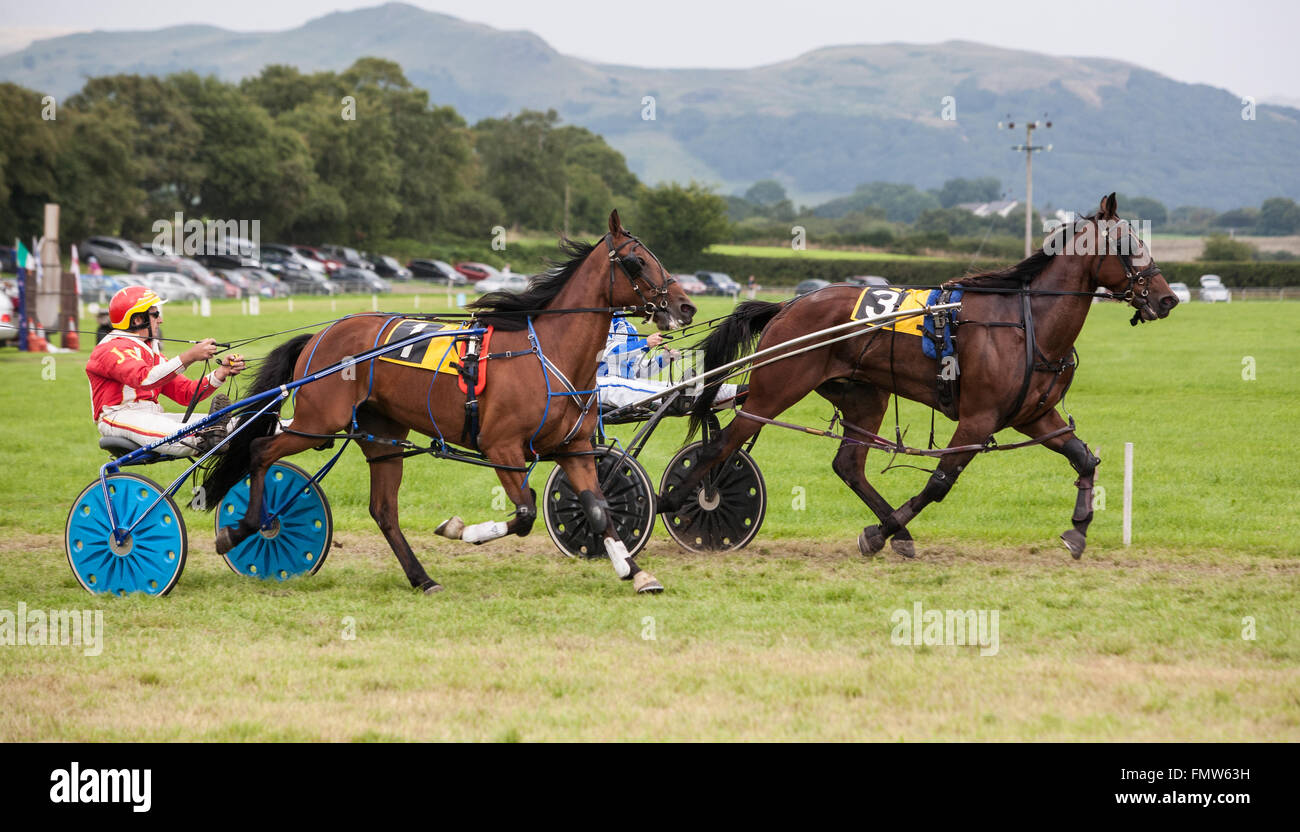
column 76, row 270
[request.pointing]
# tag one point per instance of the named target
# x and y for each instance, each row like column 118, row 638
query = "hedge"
column 772, row 272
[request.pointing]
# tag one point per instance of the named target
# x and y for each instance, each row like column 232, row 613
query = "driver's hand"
column 202, row 351
column 654, row 339
column 232, row 366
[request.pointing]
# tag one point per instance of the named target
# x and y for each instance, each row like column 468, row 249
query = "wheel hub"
column 270, row 532
column 120, row 549
column 708, row 501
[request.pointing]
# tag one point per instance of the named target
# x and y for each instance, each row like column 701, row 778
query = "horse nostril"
column 1169, row 301
column 688, row 312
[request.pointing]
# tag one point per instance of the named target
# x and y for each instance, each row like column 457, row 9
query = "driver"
column 627, row 364
column 128, row 372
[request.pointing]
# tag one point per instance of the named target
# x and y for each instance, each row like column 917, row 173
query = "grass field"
column 790, row 638
column 812, row 253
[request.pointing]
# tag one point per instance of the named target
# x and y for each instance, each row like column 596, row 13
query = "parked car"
column 331, row 265
column 351, row 279
column 347, row 256
column 99, row 288
column 8, row 319
column 8, row 260
column 717, row 283
column 810, row 285
column 437, row 271
column 275, row 253
column 116, row 253
column 475, row 272
column 389, row 268
column 1213, row 290
column 867, row 280
column 265, row 284
column 1181, row 292
column 223, row 262
column 173, row 286
column 503, row 283
column 690, row 284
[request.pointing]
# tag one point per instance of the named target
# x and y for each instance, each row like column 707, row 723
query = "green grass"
column 812, row 253
column 789, row 638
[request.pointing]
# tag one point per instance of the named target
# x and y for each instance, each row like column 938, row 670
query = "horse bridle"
column 1139, row 282
column 632, row 266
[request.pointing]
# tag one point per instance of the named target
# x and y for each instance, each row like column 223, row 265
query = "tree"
column 767, row 193
column 523, row 167
column 1278, row 216
column 957, row 191
column 680, row 222
column 1143, row 208
column 29, row 148
column 1220, row 247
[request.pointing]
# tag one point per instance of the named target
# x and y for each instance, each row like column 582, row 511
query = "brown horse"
column 1006, row 378
column 532, row 355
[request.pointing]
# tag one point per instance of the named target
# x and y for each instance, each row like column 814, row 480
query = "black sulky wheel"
column 628, row 491
column 728, row 508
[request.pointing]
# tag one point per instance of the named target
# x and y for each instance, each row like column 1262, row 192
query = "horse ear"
column 615, row 224
column 1109, row 207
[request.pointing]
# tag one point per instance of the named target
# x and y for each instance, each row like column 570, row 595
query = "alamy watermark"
column 183, row 237
column 951, row 628
column 53, row 628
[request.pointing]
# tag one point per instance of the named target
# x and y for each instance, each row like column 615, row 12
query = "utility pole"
column 1028, row 148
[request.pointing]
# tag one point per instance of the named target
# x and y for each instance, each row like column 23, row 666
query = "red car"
column 474, row 272
column 331, row 265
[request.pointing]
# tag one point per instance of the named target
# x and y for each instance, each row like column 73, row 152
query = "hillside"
column 820, row 123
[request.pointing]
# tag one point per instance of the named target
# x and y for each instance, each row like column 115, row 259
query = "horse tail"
column 232, row 466
column 736, row 332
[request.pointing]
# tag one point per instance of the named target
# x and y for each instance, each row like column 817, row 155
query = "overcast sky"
column 1246, row 46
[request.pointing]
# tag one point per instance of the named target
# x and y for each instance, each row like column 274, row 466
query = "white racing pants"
column 616, row 391
column 146, row 423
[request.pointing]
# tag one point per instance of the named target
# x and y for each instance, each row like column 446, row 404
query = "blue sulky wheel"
column 297, row 542
column 728, row 507
column 150, row 560
column 626, row 488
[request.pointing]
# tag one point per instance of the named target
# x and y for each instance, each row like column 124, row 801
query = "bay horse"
column 532, row 354
column 1016, row 330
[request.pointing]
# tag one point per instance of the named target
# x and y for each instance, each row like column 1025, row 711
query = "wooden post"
column 49, row 293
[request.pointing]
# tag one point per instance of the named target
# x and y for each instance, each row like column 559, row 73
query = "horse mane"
column 502, row 309
column 1013, row 277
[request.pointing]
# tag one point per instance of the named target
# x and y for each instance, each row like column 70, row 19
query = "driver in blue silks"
column 627, row 368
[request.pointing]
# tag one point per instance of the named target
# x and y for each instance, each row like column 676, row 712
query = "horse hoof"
column 432, row 588
column 224, row 540
column 871, row 540
column 453, row 527
column 1075, row 542
column 903, row 547
column 646, row 583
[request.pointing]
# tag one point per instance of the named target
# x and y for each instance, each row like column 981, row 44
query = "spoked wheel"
column 296, row 542
column 149, row 560
column 728, row 508
column 627, row 489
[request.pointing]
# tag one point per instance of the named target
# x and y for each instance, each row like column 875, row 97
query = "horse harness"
column 632, row 266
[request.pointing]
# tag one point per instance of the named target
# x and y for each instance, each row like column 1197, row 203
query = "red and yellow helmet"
column 128, row 302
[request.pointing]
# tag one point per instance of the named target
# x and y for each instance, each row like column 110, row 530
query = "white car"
column 1213, row 290
column 173, row 286
column 8, row 319
column 1181, row 292
column 503, row 283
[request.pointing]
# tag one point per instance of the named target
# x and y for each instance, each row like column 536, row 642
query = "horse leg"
column 264, row 453
column 525, row 507
column 581, row 471
column 1085, row 464
column 865, row 411
column 385, row 482
column 969, row 432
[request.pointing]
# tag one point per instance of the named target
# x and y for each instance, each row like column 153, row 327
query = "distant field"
column 790, row 638
column 812, row 253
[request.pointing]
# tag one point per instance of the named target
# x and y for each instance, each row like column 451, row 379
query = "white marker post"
column 205, row 308
column 1128, row 493
column 374, row 303
column 254, row 305
column 290, row 303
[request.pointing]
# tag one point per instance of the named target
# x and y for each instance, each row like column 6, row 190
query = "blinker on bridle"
column 632, row 266
column 1138, row 281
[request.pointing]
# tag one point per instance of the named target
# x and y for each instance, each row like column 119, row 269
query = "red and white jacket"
column 126, row 369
